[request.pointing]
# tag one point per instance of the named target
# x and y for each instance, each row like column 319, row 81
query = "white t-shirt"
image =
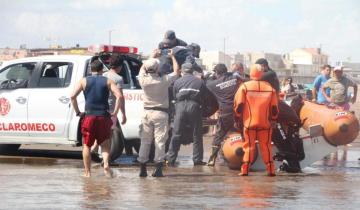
column 288, row 89
column 119, row 83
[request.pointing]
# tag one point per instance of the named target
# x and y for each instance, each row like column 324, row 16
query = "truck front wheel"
column 131, row 144
column 117, row 144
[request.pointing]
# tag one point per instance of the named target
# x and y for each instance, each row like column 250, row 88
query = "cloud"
column 259, row 25
column 52, row 27
column 94, row 4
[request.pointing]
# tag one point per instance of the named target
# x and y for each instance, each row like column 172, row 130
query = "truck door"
column 133, row 98
column 14, row 92
column 49, row 100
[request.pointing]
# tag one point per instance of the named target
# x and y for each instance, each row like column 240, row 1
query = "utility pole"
column 110, row 31
column 224, row 51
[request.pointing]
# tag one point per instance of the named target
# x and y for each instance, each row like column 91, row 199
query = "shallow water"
column 55, row 183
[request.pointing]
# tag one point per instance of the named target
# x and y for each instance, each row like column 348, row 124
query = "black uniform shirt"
column 271, row 77
column 224, row 88
column 189, row 87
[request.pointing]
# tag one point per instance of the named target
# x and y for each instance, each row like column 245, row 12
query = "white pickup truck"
column 35, row 103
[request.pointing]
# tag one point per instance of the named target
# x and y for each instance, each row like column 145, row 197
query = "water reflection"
column 346, row 158
column 337, row 158
column 97, row 192
column 30, row 161
column 334, row 185
column 251, row 192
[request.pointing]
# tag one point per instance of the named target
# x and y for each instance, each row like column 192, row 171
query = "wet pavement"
column 49, row 179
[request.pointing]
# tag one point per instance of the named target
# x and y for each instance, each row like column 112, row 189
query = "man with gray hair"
column 238, row 70
column 155, row 121
column 189, row 92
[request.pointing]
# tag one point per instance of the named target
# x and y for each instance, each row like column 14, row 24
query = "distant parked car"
column 303, row 89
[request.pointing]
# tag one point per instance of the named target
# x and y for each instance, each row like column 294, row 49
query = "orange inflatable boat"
column 232, row 150
column 339, row 127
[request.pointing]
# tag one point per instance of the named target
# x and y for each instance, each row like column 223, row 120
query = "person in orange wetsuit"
column 256, row 109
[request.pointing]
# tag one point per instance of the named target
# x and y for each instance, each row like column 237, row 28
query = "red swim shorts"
column 96, row 127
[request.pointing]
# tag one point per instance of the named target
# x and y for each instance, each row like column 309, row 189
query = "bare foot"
column 242, row 174
column 86, row 175
column 108, row 172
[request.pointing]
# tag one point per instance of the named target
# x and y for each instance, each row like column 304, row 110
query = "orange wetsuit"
column 256, row 105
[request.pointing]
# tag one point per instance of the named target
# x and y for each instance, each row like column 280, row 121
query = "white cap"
column 151, row 65
column 338, row 68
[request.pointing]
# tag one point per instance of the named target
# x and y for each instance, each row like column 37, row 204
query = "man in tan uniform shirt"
column 155, row 124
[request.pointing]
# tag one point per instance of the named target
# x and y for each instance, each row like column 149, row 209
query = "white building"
column 275, row 60
column 351, row 68
column 211, row 58
column 10, row 54
column 310, row 56
column 307, row 56
column 305, row 63
column 237, row 58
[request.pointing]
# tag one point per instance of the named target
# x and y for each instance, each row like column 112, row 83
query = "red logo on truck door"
column 4, row 106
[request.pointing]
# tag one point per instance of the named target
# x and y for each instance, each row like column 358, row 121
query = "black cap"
column 169, row 40
column 194, row 46
column 170, row 34
column 220, row 68
column 262, row 61
column 187, row 67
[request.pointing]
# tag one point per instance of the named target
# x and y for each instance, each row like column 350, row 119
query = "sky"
column 277, row 26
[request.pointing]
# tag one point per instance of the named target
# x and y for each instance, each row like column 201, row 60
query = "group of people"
column 240, row 98
column 331, row 89
column 246, row 103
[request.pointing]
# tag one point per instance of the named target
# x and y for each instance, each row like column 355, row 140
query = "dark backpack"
column 181, row 55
